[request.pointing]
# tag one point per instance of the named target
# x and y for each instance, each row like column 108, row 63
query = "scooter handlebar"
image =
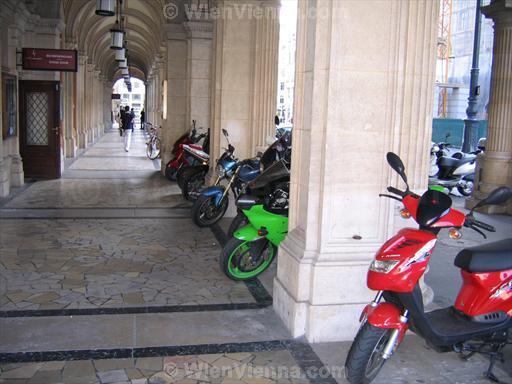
column 397, row 191
column 474, row 224
column 483, row 225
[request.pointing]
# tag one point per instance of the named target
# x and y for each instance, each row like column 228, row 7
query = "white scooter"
column 456, row 171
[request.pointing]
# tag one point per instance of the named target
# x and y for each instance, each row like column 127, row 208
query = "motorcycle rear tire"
column 205, row 213
column 234, row 249
column 192, row 184
column 181, row 174
column 368, row 345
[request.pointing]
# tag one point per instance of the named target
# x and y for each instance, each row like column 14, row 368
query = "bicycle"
column 154, row 144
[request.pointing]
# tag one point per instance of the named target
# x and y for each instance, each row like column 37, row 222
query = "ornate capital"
column 500, row 11
column 199, row 29
column 175, row 32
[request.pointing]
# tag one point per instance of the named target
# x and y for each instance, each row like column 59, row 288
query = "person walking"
column 127, row 120
column 120, row 120
column 142, row 118
column 132, row 114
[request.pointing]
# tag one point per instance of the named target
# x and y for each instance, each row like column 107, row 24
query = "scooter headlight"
column 220, row 171
column 383, row 266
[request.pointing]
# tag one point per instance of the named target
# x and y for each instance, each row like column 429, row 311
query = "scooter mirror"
column 498, row 196
column 225, row 133
column 396, row 163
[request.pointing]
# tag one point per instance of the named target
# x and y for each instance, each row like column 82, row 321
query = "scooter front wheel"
column 244, row 260
column 364, row 359
column 205, row 212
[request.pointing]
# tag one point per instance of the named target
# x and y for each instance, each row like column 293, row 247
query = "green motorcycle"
column 253, row 246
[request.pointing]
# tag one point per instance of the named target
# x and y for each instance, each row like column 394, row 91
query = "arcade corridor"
column 105, row 279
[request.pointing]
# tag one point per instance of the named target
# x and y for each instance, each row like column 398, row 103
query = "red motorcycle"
column 481, row 317
column 180, row 156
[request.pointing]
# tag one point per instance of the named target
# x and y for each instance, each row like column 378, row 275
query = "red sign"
column 50, row 59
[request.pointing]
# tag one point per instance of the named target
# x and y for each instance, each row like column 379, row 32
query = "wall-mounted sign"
column 36, row 59
column 116, row 96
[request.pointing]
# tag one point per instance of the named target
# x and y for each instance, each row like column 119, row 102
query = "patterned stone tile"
column 91, row 263
column 190, row 369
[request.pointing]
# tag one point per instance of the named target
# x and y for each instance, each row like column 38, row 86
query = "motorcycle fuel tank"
column 248, row 173
column 228, row 164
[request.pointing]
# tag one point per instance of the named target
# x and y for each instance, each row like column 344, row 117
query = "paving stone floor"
column 104, row 262
column 69, row 263
column 230, row 368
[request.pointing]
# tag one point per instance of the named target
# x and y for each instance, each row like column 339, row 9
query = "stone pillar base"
column 321, row 300
column 82, row 140
column 5, row 184
column 17, row 174
column 494, row 170
column 71, row 147
column 319, row 323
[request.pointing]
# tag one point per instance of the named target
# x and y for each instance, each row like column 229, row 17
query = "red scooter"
column 180, row 157
column 481, row 317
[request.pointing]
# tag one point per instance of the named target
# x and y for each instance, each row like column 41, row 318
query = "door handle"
column 56, row 129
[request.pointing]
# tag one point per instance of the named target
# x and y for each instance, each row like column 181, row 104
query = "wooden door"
column 39, row 129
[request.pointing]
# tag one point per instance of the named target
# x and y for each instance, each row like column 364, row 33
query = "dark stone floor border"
column 301, row 351
column 261, row 303
column 177, row 211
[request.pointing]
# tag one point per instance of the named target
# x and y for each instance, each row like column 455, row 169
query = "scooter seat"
column 489, row 257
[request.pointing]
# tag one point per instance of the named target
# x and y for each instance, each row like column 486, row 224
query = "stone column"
column 81, row 102
column 98, row 104
column 89, row 101
column 199, row 57
column 69, row 110
column 494, row 167
column 364, row 86
column 177, row 93
column 266, row 60
column 107, row 105
column 244, row 81
column 149, row 98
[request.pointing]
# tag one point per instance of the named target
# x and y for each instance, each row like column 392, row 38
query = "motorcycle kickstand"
column 494, row 355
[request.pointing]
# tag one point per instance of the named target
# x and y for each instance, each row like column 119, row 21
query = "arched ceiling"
column 143, row 23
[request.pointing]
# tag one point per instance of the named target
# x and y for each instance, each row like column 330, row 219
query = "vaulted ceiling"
column 143, row 23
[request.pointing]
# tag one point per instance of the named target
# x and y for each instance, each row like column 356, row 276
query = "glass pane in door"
column 37, row 118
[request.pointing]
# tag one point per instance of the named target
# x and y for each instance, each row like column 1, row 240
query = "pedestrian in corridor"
column 142, row 118
column 127, row 120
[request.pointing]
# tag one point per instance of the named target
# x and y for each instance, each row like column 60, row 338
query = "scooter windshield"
column 432, row 206
column 275, row 172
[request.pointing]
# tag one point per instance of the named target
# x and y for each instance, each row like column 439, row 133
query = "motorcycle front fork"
column 395, row 333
